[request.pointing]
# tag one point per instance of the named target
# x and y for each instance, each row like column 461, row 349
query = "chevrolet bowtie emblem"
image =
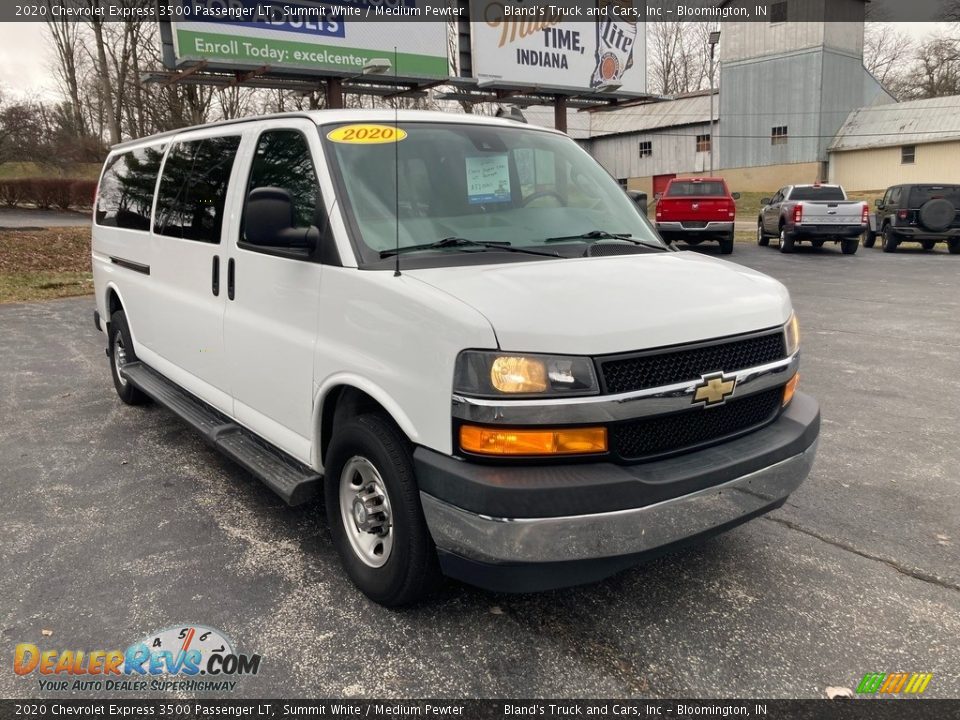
column 714, row 389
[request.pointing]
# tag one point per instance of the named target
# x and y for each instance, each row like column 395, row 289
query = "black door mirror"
column 766, row 201
column 640, row 198
column 735, row 196
column 269, row 221
column 879, row 203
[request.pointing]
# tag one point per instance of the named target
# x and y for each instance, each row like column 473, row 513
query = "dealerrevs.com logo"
column 184, row 657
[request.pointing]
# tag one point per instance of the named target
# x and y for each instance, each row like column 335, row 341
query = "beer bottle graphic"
column 616, row 36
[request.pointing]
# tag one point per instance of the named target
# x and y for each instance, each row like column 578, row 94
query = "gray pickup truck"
column 815, row 213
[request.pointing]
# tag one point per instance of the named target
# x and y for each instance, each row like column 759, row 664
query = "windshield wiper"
column 465, row 243
column 604, row 235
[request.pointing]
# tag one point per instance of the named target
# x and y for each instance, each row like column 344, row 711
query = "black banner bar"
column 846, row 709
column 764, row 11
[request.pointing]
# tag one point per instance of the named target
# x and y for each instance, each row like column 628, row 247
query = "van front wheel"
column 373, row 508
column 121, row 353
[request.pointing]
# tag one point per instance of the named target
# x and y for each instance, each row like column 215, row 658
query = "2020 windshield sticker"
column 488, row 179
column 365, row 134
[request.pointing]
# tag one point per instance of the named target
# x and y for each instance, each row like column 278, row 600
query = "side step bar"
column 286, row 476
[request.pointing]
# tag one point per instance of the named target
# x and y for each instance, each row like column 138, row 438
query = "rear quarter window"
column 817, row 193
column 125, row 196
column 193, row 189
column 692, row 189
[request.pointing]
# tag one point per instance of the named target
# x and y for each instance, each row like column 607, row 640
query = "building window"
column 703, row 143
column 778, row 135
column 622, row 182
column 908, row 154
column 778, row 12
column 646, row 148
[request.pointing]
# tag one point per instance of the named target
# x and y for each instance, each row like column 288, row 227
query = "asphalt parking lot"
column 116, row 521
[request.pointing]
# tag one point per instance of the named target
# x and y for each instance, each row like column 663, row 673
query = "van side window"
column 282, row 160
column 193, row 189
column 125, row 196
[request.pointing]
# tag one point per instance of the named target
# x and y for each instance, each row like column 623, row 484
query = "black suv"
column 926, row 214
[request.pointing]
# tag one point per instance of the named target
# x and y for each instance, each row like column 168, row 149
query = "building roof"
column 693, row 109
column 907, row 123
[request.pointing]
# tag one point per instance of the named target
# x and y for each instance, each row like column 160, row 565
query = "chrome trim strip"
column 623, row 532
column 675, row 226
column 613, row 408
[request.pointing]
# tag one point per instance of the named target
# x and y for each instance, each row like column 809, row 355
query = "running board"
column 287, row 477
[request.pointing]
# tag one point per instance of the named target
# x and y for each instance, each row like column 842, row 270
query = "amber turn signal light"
column 790, row 389
column 503, row 441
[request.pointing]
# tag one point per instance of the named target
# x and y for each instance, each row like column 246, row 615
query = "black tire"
column 818, row 243
column 120, row 347
column 786, row 241
column 763, row 240
column 953, row 246
column 848, row 246
column 411, row 569
column 891, row 241
column 869, row 239
column 928, row 244
column 726, row 244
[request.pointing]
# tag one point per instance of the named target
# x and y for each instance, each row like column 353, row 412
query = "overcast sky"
column 26, row 58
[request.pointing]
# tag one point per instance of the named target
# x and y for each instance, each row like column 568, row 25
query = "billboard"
column 309, row 38
column 591, row 46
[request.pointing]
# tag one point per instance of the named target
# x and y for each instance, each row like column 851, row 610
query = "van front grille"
column 648, row 438
column 652, row 369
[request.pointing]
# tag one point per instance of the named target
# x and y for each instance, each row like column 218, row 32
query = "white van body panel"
column 604, row 305
column 397, row 339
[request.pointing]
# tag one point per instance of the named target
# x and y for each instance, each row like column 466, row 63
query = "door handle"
column 215, row 279
column 230, row 279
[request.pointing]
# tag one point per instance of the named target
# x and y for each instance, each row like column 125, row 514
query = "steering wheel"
column 541, row 194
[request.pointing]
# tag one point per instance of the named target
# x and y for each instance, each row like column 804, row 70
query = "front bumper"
column 522, row 529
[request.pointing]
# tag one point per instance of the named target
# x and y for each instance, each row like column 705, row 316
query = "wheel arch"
column 352, row 395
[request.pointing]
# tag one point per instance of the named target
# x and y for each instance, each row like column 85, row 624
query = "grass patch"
column 44, row 264
column 27, row 287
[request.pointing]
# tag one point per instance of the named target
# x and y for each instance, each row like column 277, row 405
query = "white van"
column 459, row 330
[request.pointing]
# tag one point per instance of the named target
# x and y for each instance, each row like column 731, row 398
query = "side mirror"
column 640, row 198
column 657, row 196
column 268, row 221
column 879, row 203
column 766, row 201
column 735, row 196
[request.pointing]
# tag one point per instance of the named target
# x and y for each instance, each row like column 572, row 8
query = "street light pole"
column 714, row 39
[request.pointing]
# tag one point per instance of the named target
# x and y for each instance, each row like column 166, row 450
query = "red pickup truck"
column 697, row 209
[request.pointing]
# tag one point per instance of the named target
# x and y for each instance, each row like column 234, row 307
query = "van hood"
column 596, row 306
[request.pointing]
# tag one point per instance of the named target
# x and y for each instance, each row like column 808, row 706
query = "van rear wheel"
column 373, row 509
column 121, row 352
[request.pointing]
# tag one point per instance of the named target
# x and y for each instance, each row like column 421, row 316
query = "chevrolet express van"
column 460, row 331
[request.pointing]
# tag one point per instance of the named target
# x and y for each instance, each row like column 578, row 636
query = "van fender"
column 112, row 286
column 394, row 410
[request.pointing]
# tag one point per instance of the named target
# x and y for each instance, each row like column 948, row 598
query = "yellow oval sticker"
column 366, row 134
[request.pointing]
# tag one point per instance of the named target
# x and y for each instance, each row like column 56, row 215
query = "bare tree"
column 678, row 57
column 886, row 53
column 66, row 42
column 936, row 71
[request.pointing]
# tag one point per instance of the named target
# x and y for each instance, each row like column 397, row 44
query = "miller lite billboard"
column 587, row 46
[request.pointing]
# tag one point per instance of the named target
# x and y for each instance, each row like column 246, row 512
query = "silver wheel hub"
column 365, row 511
column 119, row 357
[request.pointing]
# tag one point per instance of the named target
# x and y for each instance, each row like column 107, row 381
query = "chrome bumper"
column 710, row 227
column 623, row 532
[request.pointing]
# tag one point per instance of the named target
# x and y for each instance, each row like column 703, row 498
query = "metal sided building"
column 910, row 142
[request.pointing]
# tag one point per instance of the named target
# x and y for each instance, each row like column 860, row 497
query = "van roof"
column 321, row 117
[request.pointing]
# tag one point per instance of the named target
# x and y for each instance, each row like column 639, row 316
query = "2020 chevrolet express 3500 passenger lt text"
column 515, row 407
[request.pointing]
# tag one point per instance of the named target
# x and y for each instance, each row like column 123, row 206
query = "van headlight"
column 791, row 333
column 482, row 373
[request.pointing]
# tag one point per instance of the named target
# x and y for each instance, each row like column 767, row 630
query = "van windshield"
column 487, row 184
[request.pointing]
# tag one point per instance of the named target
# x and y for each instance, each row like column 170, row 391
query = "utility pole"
column 714, row 39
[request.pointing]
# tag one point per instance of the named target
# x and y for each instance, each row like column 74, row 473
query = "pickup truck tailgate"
column 846, row 212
